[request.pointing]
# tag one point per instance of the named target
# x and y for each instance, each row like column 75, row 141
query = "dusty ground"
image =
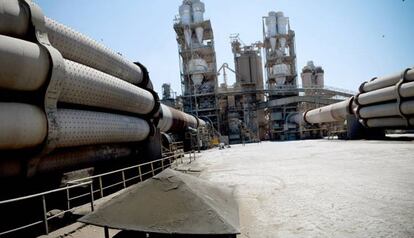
column 321, row 188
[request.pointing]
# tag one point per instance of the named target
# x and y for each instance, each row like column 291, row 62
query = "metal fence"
column 95, row 185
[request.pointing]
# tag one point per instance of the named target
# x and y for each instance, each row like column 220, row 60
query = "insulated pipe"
column 21, row 126
column 25, row 66
column 173, row 120
column 15, row 21
column 396, row 122
column 77, row 127
column 86, row 86
column 330, row 113
column 386, row 94
column 387, row 110
column 386, row 81
column 25, row 126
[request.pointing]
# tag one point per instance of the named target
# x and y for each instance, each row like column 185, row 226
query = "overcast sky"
column 352, row 40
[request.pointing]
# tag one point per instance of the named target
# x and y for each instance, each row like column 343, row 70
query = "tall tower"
column 198, row 67
column 281, row 72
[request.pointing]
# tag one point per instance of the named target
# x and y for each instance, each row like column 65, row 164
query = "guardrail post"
column 123, row 178
column 152, row 169
column 67, row 197
column 100, row 186
column 162, row 164
column 45, row 215
column 140, row 174
column 92, row 199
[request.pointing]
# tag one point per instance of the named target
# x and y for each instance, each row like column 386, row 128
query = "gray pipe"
column 173, row 120
column 330, row 113
column 21, row 126
column 386, row 94
column 387, row 110
column 386, row 81
column 25, row 66
column 396, row 122
column 15, row 21
column 24, row 126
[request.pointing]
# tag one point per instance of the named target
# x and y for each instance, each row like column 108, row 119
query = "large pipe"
column 330, row 113
column 387, row 110
column 24, row 126
column 386, row 81
column 15, row 21
column 25, row 66
column 390, row 122
column 173, row 120
column 78, row 127
column 386, row 94
column 21, row 126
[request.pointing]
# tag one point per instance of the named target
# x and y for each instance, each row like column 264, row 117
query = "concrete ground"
column 319, row 188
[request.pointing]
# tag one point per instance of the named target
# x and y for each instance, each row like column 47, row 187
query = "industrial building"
column 259, row 105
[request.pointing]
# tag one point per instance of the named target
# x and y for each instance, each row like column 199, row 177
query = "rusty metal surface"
column 171, row 203
column 173, row 120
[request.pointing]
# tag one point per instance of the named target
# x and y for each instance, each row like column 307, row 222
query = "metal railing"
column 152, row 167
column 45, row 219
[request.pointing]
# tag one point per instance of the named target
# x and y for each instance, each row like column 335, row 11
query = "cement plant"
column 88, row 148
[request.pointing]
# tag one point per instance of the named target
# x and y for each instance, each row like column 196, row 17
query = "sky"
column 352, row 40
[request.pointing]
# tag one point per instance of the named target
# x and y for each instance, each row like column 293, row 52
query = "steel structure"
column 198, row 67
column 280, row 67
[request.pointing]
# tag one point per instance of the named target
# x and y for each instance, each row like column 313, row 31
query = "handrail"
column 43, row 193
column 89, row 181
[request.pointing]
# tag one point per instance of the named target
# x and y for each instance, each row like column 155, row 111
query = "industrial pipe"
column 330, row 113
column 21, row 126
column 25, row 66
column 78, row 127
column 24, row 126
column 386, row 81
column 15, row 21
column 397, row 122
column 387, row 110
column 173, row 120
column 386, row 94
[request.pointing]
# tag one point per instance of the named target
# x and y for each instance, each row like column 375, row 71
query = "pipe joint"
column 399, row 98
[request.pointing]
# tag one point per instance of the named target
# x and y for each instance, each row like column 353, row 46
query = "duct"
column 330, row 113
column 387, row 110
column 25, row 126
column 15, row 21
column 172, row 120
column 24, row 65
column 383, row 82
column 21, row 126
column 78, row 128
column 395, row 122
column 86, row 86
column 386, row 94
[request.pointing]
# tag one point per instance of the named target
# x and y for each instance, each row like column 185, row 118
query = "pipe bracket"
column 399, row 98
column 57, row 73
